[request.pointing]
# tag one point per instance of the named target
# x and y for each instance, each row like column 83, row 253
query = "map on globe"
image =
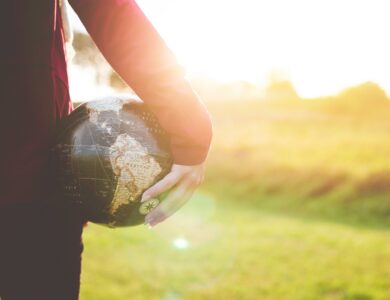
column 130, row 160
column 111, row 151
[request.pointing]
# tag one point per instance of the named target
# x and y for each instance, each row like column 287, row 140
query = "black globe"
column 106, row 154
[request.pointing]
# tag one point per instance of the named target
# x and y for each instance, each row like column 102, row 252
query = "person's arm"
column 137, row 52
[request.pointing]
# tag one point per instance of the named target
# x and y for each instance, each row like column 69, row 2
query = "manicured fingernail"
column 152, row 224
column 148, row 219
column 148, row 225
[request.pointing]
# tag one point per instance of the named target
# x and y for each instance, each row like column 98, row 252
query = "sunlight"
column 180, row 243
column 323, row 46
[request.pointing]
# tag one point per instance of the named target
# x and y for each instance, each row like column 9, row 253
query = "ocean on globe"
column 106, row 154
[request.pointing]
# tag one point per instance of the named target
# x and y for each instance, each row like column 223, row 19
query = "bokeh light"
column 190, row 251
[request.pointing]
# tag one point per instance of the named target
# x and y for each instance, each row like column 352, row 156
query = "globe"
column 106, row 154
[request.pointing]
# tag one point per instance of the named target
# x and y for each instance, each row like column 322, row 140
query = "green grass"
column 303, row 155
column 295, row 206
column 237, row 251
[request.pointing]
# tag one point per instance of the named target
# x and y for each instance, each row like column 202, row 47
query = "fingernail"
column 148, row 219
column 148, row 225
column 150, row 222
column 154, row 223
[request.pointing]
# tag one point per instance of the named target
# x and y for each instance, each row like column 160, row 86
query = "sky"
column 322, row 46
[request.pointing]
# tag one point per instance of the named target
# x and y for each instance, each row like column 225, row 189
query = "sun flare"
column 322, row 46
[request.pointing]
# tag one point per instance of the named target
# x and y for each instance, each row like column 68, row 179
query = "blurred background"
column 296, row 199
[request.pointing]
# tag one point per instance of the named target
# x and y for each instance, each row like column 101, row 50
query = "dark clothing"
column 40, row 251
column 34, row 85
column 34, row 93
column 40, row 241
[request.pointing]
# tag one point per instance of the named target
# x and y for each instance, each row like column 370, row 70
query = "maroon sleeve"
column 136, row 51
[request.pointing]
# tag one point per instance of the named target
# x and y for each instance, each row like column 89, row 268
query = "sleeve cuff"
column 189, row 156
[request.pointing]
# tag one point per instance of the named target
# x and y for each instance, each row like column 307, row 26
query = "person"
column 41, row 246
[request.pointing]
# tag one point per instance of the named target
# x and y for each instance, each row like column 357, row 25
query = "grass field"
column 295, row 206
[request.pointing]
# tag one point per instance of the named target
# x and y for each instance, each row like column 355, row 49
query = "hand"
column 183, row 181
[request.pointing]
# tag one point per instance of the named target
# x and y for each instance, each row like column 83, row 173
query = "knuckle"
column 193, row 177
column 195, row 180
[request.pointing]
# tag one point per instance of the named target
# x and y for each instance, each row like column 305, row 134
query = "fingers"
column 163, row 185
column 174, row 201
column 181, row 183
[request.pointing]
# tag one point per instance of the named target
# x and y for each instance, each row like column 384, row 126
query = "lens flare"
column 180, row 243
column 192, row 250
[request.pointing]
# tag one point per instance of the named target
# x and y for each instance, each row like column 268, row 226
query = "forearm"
column 137, row 52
